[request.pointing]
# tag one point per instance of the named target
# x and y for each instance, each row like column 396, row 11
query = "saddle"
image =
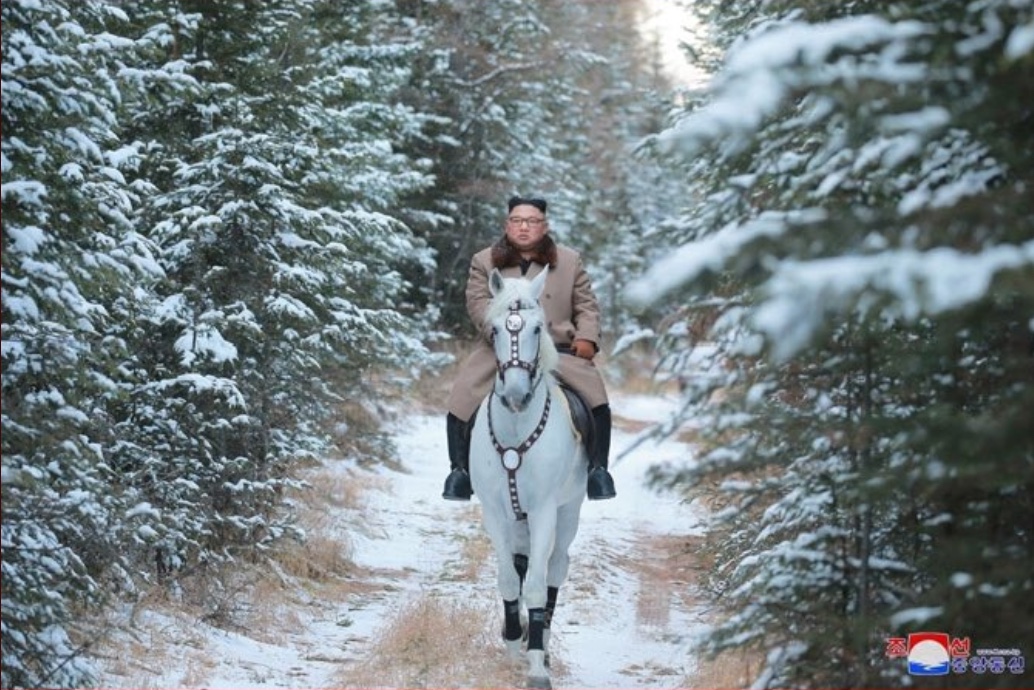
column 581, row 417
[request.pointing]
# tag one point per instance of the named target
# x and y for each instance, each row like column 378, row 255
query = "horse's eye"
column 538, row 329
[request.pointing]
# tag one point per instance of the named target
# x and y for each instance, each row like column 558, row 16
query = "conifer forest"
column 224, row 218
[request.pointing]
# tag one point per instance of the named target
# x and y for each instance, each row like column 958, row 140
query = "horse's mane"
column 519, row 289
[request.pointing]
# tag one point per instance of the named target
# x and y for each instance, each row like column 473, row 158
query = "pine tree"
column 275, row 190
column 203, row 253
column 612, row 195
column 517, row 88
column 865, row 236
column 72, row 265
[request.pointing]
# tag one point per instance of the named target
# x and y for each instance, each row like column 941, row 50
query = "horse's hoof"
column 534, row 682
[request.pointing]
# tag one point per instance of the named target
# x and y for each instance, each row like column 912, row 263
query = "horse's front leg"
column 509, row 588
column 543, row 528
column 508, row 581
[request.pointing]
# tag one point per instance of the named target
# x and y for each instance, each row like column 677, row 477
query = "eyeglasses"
column 531, row 222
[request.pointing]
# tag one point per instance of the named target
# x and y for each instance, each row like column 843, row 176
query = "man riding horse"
column 573, row 314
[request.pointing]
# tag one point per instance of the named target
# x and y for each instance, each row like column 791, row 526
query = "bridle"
column 513, row 457
column 514, row 325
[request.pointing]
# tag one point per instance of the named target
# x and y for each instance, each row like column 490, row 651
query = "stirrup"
column 600, row 485
column 457, row 486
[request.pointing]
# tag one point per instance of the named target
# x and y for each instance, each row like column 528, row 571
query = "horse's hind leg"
column 521, row 549
column 538, row 671
column 551, row 597
column 519, row 622
column 559, row 563
column 520, row 564
column 566, row 530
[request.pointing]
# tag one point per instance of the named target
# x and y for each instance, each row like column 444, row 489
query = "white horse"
column 528, row 467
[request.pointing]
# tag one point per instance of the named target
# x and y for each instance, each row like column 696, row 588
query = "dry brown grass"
column 145, row 654
column 431, row 642
column 322, row 563
column 476, row 550
column 670, row 570
column 267, row 603
column 668, row 573
column 134, row 662
column 331, row 497
column 728, row 670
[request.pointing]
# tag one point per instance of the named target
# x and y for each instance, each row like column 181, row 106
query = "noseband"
column 514, row 326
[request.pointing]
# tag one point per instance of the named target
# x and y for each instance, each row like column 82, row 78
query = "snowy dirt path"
column 625, row 618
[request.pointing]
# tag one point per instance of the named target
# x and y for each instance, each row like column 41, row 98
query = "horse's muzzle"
column 517, row 404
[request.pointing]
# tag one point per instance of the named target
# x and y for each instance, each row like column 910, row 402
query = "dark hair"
column 538, row 203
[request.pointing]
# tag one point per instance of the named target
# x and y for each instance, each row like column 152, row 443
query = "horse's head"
column 524, row 351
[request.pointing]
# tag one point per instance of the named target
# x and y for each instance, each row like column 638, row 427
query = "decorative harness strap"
column 514, row 324
column 512, row 458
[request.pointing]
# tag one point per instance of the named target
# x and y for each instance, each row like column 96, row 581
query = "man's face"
column 525, row 226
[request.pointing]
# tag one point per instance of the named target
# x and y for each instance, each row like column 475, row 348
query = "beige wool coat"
column 572, row 313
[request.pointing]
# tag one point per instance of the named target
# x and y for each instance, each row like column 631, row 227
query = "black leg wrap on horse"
column 551, row 593
column 512, row 620
column 536, row 625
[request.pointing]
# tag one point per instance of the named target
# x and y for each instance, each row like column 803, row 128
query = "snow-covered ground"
column 616, row 625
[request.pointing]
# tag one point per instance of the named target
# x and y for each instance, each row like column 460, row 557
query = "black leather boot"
column 457, row 484
column 601, row 484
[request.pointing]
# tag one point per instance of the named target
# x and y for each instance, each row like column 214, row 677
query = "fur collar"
column 505, row 255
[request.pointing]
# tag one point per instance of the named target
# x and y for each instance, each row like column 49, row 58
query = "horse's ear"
column 495, row 282
column 538, row 283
